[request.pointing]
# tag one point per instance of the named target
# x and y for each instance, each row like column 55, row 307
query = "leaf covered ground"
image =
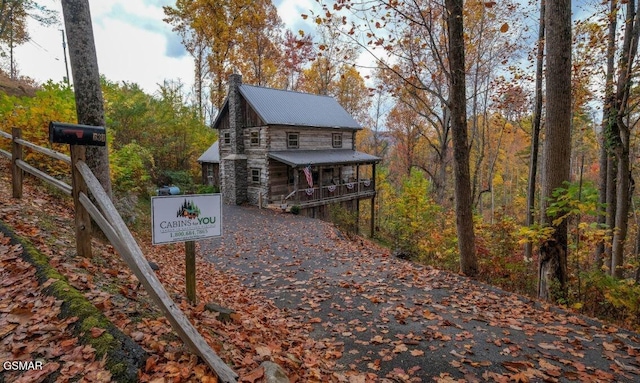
column 323, row 307
column 385, row 319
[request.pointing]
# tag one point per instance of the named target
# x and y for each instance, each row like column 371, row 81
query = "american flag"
column 307, row 173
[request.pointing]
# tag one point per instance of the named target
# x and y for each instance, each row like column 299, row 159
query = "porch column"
column 373, row 176
column 320, row 176
column 358, row 178
column 357, row 216
column 296, row 179
column 373, row 201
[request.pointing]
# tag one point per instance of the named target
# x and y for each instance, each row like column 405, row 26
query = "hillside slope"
column 18, row 88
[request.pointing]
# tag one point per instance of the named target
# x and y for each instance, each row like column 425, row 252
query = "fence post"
column 82, row 217
column 16, row 154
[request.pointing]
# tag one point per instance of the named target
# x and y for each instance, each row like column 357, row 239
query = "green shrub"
column 179, row 178
column 207, row 189
column 131, row 168
column 295, row 209
column 343, row 218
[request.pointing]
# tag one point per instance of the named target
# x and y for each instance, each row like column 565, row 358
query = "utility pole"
column 12, row 69
column 64, row 50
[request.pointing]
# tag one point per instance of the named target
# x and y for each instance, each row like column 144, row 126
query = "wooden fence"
column 112, row 225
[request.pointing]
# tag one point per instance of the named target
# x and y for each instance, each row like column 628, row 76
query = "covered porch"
column 310, row 178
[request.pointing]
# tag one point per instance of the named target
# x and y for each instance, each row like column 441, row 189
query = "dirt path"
column 402, row 322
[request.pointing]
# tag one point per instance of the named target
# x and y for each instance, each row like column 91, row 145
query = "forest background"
column 402, row 100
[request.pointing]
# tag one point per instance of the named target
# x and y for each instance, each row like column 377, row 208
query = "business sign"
column 185, row 218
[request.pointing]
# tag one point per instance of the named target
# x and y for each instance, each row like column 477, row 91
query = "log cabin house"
column 282, row 148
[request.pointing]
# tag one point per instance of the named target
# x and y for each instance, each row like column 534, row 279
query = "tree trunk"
column 610, row 219
column 619, row 133
column 605, row 154
column 86, row 82
column 535, row 132
column 606, row 185
column 622, row 210
column 457, row 105
column 557, row 148
column 441, row 177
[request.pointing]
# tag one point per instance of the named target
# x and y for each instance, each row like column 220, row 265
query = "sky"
column 133, row 44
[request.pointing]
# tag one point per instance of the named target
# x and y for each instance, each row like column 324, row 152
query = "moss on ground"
column 124, row 356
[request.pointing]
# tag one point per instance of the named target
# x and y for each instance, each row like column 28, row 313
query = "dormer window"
column 337, row 140
column 293, row 140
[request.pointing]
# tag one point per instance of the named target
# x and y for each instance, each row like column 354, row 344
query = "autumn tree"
column 606, row 179
column 52, row 102
column 491, row 42
column 259, row 46
column 405, row 127
column 557, row 149
column 239, row 36
column 412, row 38
column 618, row 133
column 352, row 93
column 14, row 15
column 458, row 107
column 199, row 50
column 332, row 53
column 158, row 131
column 536, row 126
column 297, row 51
column 373, row 139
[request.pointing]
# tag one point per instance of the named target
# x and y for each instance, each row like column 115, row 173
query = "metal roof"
column 211, row 155
column 322, row 157
column 283, row 107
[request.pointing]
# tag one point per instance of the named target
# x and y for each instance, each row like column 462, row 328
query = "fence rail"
column 4, row 152
column 18, row 163
column 112, row 225
column 66, row 188
column 119, row 235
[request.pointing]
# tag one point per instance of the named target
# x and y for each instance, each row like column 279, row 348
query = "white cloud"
column 132, row 43
column 290, row 12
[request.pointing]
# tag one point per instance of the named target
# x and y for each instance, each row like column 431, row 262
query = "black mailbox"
column 76, row 134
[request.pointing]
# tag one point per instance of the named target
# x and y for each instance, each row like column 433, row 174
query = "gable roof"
column 284, row 107
column 211, row 155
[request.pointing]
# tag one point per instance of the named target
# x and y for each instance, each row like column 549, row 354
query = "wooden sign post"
column 190, row 261
column 186, row 218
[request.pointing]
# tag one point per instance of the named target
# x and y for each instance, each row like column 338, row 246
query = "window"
column 226, row 138
column 255, row 138
column 293, row 140
column 337, row 140
column 255, row 175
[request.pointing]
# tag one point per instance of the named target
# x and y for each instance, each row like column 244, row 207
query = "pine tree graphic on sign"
column 188, row 210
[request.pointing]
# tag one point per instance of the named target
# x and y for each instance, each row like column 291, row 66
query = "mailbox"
column 76, row 134
column 168, row 190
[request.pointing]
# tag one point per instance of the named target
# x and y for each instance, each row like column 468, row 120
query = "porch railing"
column 326, row 193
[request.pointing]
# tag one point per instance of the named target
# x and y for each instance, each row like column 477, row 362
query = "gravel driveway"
column 405, row 322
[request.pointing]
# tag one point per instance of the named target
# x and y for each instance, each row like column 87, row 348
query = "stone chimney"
column 236, row 123
column 234, row 163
